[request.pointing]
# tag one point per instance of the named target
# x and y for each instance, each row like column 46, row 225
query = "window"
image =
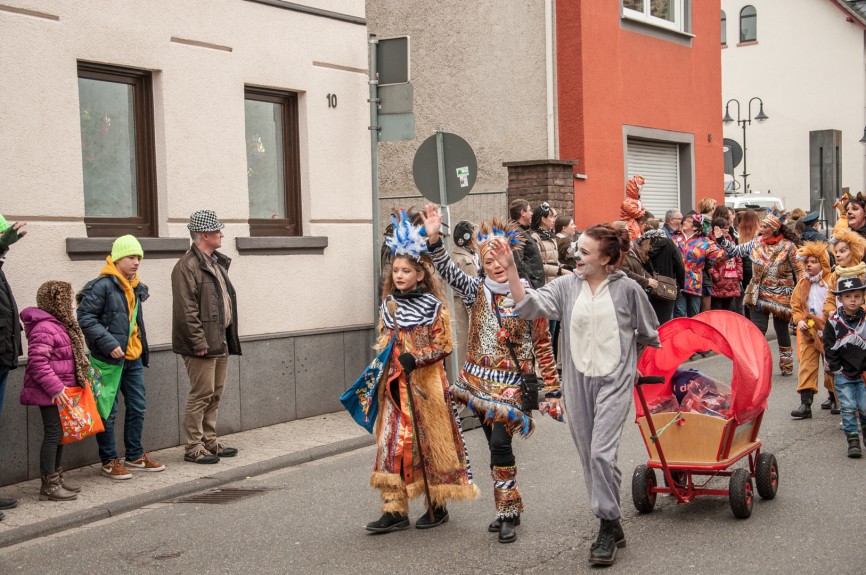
column 748, row 24
column 273, row 172
column 724, row 29
column 117, row 150
column 664, row 13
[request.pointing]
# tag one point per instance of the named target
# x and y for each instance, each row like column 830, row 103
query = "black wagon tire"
column 767, row 476
column 642, row 482
column 740, row 493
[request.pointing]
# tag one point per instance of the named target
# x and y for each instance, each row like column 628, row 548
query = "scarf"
column 544, row 234
column 412, row 309
column 659, row 233
column 815, row 279
column 771, row 240
column 55, row 297
column 853, row 271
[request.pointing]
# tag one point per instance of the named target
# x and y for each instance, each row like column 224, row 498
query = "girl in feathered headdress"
column 806, row 311
column 490, row 381
column 420, row 447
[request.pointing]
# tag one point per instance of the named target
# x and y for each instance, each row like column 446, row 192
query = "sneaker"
column 8, row 503
column 145, row 463
column 202, row 457
column 114, row 469
column 223, row 451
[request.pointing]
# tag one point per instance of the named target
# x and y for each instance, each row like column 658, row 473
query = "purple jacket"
column 50, row 363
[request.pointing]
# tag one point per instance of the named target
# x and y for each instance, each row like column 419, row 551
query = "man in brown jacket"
column 204, row 332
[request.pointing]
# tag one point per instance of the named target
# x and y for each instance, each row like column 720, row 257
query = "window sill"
column 650, row 29
column 747, row 43
column 282, row 245
column 98, row 248
column 724, row 46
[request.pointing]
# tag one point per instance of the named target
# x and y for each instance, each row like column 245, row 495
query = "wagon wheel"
column 740, row 493
column 642, row 483
column 767, row 476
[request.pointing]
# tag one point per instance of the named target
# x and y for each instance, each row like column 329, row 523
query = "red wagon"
column 691, row 449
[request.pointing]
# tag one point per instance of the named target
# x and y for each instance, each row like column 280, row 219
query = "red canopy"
column 727, row 333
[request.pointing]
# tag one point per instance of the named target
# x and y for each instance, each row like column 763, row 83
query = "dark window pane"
column 663, row 9
column 266, row 169
column 108, row 148
column 724, row 28
column 748, row 24
column 633, row 5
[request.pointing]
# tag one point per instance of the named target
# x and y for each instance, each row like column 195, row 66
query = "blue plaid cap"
column 204, row 221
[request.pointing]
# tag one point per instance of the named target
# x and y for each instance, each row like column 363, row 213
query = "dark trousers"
column 499, row 442
column 52, row 432
column 762, row 321
column 725, row 303
column 664, row 309
column 132, row 388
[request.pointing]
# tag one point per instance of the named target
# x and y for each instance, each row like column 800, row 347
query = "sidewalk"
column 261, row 451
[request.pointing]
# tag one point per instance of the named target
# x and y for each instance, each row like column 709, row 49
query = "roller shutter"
column 659, row 163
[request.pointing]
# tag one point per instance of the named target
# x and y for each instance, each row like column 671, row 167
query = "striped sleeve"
column 465, row 285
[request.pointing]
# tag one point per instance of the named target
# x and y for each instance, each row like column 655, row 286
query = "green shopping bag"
column 111, row 373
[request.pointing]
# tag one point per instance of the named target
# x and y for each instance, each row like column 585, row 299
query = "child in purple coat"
column 56, row 359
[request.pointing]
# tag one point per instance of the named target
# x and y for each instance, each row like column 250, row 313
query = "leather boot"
column 52, row 490
column 830, row 402
column 805, row 409
column 496, row 524
column 389, row 521
column 68, row 485
column 507, row 534
column 509, row 505
column 440, row 516
column 610, row 537
column 854, row 446
column 786, row 360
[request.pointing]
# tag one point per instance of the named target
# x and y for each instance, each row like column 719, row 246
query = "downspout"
column 552, row 148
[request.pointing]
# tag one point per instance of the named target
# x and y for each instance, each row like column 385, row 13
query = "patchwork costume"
column 490, row 383
column 697, row 251
column 604, row 334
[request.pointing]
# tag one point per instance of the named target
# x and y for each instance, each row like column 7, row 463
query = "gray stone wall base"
column 276, row 380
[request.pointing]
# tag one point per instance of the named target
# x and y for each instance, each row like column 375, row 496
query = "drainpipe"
column 552, row 149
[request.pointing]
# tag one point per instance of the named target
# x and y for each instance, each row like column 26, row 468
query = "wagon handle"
column 650, row 379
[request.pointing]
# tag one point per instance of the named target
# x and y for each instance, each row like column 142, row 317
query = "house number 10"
column 332, row 100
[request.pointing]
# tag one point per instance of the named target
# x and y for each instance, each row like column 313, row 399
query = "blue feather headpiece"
column 496, row 229
column 408, row 239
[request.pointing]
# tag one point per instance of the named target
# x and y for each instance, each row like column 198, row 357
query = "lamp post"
column 759, row 117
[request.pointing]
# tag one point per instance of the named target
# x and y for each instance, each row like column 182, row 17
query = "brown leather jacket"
column 197, row 307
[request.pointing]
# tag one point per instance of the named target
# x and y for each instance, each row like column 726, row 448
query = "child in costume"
column 420, row 448
column 607, row 322
column 807, row 304
column 56, row 360
column 848, row 250
column 490, row 381
column 632, row 208
column 845, row 349
column 775, row 272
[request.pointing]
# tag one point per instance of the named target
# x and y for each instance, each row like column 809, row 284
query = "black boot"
column 440, row 516
column 854, row 446
column 496, row 524
column 610, row 536
column 389, row 522
column 805, row 409
column 507, row 534
column 830, row 401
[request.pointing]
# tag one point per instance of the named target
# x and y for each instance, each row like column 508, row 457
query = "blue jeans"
column 687, row 305
column 132, row 388
column 852, row 398
column 4, row 377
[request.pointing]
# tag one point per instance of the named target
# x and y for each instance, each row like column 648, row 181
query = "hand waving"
column 432, row 218
column 502, row 253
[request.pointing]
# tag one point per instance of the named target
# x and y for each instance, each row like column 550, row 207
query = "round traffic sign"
column 461, row 168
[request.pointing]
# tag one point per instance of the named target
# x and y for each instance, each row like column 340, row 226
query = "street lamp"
column 759, row 117
column 863, row 139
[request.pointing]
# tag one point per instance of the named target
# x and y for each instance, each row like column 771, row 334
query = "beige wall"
column 478, row 70
column 808, row 67
column 201, row 161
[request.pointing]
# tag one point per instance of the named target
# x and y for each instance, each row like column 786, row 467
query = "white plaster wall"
column 201, row 161
column 808, row 67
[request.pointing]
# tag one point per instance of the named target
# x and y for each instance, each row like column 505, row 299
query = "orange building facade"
column 638, row 94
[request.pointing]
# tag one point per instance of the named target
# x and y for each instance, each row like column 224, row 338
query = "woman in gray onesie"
column 607, row 321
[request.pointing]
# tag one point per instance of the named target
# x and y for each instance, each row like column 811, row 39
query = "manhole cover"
column 223, row 495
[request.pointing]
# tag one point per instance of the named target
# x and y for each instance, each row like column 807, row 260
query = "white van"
column 754, row 201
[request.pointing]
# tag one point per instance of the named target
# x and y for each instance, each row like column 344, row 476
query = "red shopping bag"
column 78, row 414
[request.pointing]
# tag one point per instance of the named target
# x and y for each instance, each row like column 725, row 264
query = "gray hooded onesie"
column 602, row 336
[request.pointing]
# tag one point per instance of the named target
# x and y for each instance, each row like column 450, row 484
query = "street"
column 311, row 518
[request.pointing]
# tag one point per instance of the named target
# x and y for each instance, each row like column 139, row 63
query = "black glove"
column 9, row 237
column 407, row 362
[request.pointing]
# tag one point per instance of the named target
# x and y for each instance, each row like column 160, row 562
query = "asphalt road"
column 311, row 518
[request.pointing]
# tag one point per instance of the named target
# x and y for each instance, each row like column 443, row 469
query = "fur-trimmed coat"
column 423, row 330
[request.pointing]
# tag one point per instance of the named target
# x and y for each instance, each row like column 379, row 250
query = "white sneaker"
column 114, row 469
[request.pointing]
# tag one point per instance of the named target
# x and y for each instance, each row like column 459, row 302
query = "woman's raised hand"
column 502, row 253
column 432, row 218
column 718, row 233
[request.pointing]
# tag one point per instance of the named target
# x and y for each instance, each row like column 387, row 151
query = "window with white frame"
column 724, row 29
column 663, row 13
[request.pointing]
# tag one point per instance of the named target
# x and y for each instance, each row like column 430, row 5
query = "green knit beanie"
column 4, row 225
column 126, row 246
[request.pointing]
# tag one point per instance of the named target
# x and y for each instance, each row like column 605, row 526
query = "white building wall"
column 808, row 67
column 200, row 147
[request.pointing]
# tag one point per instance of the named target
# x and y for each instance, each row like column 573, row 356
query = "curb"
column 114, row 508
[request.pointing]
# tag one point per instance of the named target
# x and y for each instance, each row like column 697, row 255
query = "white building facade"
column 805, row 60
column 120, row 116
